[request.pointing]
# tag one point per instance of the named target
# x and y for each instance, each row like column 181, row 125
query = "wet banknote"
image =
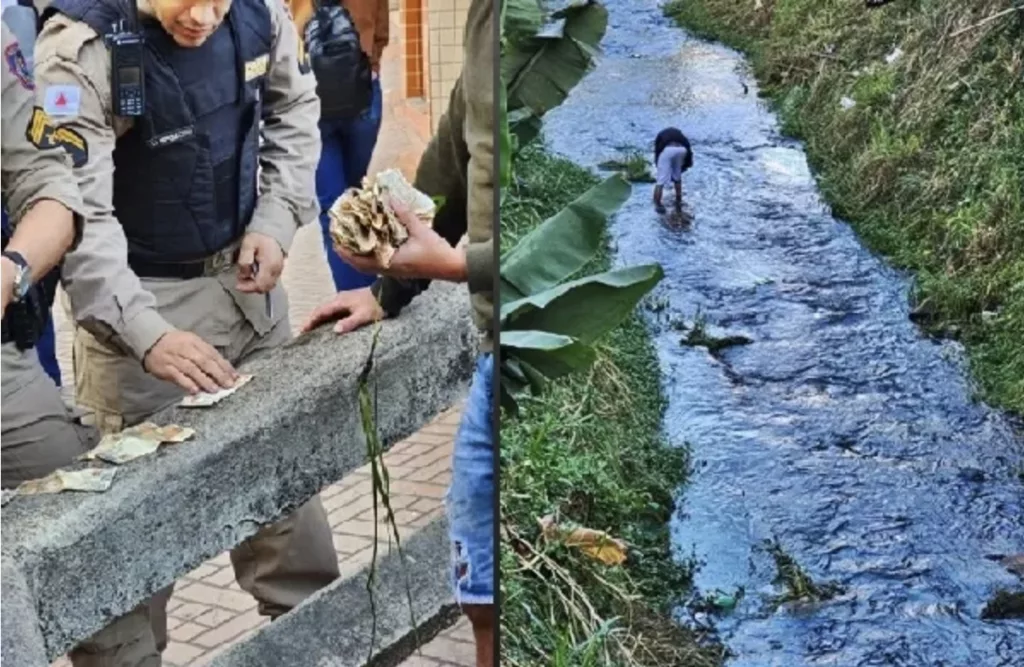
column 203, row 400
column 96, row 480
column 136, row 441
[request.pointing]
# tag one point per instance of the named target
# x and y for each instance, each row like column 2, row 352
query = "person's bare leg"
column 679, row 195
column 657, row 199
column 481, row 617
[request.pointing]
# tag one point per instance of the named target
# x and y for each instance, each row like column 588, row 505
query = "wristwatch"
column 22, row 279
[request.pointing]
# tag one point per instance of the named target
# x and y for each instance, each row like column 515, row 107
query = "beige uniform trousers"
column 39, row 433
column 283, row 563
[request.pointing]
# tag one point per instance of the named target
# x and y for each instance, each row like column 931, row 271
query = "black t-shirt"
column 672, row 135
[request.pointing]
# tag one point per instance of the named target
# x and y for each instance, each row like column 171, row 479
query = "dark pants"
column 345, row 157
column 46, row 347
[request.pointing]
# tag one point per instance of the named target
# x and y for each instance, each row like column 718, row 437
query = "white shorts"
column 670, row 165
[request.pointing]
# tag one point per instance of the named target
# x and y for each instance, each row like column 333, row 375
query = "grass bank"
column 589, row 453
column 913, row 117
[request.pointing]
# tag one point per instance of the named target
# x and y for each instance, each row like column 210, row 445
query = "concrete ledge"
column 333, row 627
column 22, row 643
column 89, row 558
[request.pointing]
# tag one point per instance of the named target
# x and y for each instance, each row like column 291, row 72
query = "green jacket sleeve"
column 458, row 165
column 441, row 172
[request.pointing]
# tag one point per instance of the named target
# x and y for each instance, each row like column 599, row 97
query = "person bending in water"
column 672, row 156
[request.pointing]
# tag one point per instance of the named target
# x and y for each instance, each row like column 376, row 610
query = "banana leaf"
column 517, row 379
column 521, row 20
column 562, row 244
column 522, row 375
column 583, row 309
column 539, row 71
column 552, row 355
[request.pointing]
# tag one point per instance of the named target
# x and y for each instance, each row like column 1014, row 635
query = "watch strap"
column 21, row 283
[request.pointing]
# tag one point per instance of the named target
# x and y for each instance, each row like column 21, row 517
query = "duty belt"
column 216, row 263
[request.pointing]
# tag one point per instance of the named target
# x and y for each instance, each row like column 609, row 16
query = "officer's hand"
column 352, row 308
column 267, row 253
column 425, row 254
column 190, row 362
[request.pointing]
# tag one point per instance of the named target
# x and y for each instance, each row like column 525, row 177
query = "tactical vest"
column 185, row 174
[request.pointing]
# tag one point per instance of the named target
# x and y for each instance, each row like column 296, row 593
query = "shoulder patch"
column 62, row 100
column 15, row 60
column 44, row 135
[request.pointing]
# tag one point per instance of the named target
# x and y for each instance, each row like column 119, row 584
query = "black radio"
column 127, row 78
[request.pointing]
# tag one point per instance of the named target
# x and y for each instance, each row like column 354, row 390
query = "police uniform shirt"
column 73, row 75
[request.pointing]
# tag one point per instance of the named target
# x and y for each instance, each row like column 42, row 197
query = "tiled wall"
column 414, row 47
column 446, row 20
column 432, row 46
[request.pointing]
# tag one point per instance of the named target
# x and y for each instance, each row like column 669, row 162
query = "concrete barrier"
column 334, row 627
column 72, row 562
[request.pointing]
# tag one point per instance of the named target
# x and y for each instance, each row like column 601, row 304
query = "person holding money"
column 458, row 166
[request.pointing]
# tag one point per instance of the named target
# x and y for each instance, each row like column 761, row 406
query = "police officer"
column 458, row 165
column 176, row 272
column 39, row 434
column 21, row 19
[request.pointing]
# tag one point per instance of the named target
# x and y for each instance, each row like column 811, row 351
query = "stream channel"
column 840, row 430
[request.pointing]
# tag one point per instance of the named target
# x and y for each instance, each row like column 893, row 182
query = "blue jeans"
column 46, row 347
column 345, row 157
column 471, row 498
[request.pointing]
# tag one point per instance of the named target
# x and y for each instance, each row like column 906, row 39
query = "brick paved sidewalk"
column 208, row 612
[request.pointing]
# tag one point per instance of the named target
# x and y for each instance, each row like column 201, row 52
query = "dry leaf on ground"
column 204, row 400
column 364, row 223
column 596, row 544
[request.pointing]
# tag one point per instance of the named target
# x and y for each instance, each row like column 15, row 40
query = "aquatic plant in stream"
column 798, row 585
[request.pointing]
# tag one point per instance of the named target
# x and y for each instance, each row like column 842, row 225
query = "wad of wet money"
column 137, row 441
column 95, row 480
column 364, row 222
column 204, row 400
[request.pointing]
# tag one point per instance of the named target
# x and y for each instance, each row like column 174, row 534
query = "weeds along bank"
column 589, row 453
column 913, row 116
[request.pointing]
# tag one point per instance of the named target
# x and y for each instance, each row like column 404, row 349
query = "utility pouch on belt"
column 344, row 77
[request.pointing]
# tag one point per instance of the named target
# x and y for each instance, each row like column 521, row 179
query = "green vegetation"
column 633, row 166
column 551, row 312
column 588, row 452
column 796, row 583
column 698, row 336
column 1004, row 604
column 913, row 115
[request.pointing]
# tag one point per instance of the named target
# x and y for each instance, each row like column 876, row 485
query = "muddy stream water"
column 841, row 431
